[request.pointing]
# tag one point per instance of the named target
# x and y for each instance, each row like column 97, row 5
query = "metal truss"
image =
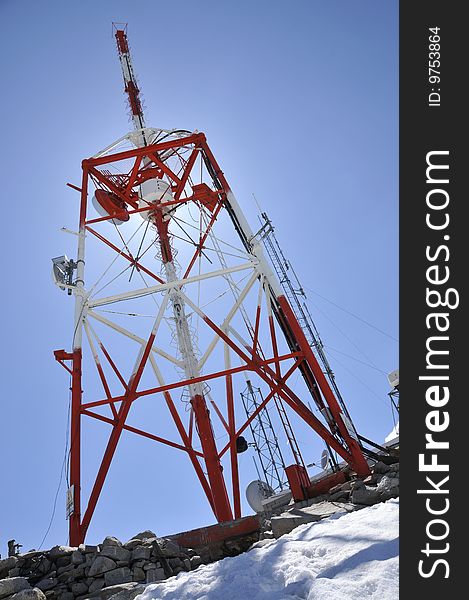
column 256, row 333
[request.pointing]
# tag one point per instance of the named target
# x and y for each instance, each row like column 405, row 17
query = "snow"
column 351, row 557
column 394, row 433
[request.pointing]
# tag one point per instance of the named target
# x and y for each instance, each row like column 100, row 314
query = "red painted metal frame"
column 269, row 369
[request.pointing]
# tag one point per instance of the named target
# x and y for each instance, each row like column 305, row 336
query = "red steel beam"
column 131, row 259
column 195, row 138
column 115, row 436
column 75, row 450
column 184, row 382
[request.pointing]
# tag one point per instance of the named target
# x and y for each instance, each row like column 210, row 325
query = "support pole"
column 75, row 532
column 75, row 450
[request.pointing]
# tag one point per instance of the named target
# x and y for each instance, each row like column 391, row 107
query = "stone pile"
column 66, row 573
column 121, row 571
column 381, row 485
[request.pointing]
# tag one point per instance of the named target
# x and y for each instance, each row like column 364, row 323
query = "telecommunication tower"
column 170, row 274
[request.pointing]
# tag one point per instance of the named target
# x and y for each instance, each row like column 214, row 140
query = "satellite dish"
column 108, row 204
column 324, row 458
column 256, row 492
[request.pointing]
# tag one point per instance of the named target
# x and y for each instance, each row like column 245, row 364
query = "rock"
column 340, row 496
column 77, row 573
column 100, row 565
column 12, row 586
column 111, row 541
column 175, row 562
column 287, row 521
column 196, row 561
column 63, row 561
column 361, row 494
column 126, row 589
column 87, row 549
column 138, row 574
column 394, row 468
column 66, row 596
column 65, row 569
column 141, row 553
column 169, row 548
column 380, row 467
column 60, row 551
column 116, row 553
column 66, row 577
column 129, row 594
column 388, row 487
column 31, row 594
column 187, row 564
column 79, row 588
column 133, row 543
column 120, row 575
column 341, row 487
column 16, row 572
column 155, row 575
column 77, row 557
column 237, row 546
column 44, row 566
column 47, row 584
column 31, row 554
column 373, row 479
column 96, row 585
column 6, row 565
column 151, row 565
column 145, row 535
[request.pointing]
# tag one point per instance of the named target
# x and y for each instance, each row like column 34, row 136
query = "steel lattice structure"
column 265, row 440
column 170, row 242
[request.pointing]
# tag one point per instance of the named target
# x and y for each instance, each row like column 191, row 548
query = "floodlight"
column 62, row 272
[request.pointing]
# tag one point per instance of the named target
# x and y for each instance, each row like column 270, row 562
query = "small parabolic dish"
column 324, row 458
column 108, row 204
column 256, row 492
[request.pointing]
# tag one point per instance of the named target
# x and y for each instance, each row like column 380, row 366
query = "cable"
column 352, row 314
column 346, row 337
column 359, row 380
column 356, row 359
column 139, row 248
column 62, row 470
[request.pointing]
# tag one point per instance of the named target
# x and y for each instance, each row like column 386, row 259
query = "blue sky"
column 304, row 92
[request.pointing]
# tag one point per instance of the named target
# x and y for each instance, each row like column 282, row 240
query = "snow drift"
column 351, row 557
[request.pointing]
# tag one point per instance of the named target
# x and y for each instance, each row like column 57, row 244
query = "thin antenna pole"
column 130, row 83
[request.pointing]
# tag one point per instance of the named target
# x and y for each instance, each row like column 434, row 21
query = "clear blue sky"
column 312, row 84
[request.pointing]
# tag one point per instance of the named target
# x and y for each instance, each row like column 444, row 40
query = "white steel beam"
column 134, row 337
column 141, row 292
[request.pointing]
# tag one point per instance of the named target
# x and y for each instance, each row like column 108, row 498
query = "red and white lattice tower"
column 162, row 235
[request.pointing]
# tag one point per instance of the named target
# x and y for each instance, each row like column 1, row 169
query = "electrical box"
column 298, row 480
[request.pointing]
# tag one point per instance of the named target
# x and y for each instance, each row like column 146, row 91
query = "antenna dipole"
column 130, row 84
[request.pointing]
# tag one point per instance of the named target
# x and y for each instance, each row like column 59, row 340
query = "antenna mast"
column 130, row 83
